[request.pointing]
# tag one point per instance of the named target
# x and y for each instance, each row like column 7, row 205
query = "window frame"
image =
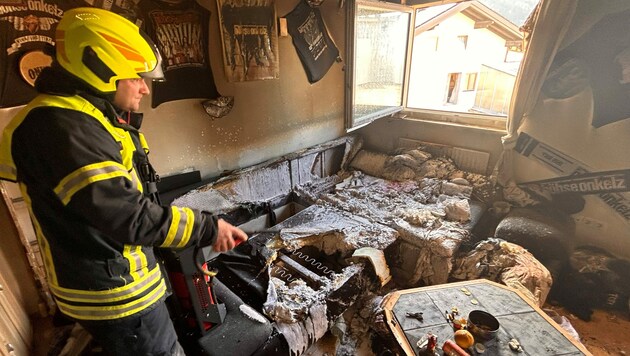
column 468, row 76
column 477, row 120
column 350, row 66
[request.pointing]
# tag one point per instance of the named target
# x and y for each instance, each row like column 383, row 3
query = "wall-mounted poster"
column 179, row 29
column 250, row 39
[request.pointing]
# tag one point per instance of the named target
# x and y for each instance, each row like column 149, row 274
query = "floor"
column 606, row 334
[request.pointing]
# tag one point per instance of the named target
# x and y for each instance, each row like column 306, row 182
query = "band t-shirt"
column 180, row 31
column 316, row 49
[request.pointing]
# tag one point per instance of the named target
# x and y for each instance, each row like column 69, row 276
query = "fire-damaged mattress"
column 431, row 203
column 432, row 218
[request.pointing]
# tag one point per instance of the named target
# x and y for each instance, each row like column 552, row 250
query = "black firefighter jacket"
column 79, row 171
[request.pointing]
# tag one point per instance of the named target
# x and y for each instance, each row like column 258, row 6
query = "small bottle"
column 432, row 343
column 450, row 348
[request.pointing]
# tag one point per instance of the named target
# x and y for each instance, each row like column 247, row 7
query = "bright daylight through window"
column 378, row 69
column 459, row 60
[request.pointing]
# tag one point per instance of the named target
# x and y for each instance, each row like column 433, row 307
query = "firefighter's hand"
column 228, row 236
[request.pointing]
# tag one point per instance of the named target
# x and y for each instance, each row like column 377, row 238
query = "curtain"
column 551, row 23
column 554, row 25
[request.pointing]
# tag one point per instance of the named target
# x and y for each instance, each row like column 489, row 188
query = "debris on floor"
column 507, row 263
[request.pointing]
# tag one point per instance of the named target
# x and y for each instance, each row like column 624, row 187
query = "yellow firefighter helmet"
column 101, row 47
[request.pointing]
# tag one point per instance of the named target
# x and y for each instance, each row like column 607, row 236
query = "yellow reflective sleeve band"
column 180, row 230
column 188, row 227
column 113, row 312
column 111, row 295
column 84, row 176
column 172, row 229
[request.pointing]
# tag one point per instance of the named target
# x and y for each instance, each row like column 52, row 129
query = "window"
column 433, row 79
column 485, row 54
column 471, row 81
column 453, row 88
column 513, row 56
column 379, row 35
column 494, row 92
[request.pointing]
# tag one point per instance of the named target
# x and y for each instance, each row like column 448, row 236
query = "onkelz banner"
column 27, row 32
column 316, row 49
column 559, row 162
column 588, row 183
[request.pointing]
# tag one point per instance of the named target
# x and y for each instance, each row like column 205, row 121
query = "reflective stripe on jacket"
column 95, row 222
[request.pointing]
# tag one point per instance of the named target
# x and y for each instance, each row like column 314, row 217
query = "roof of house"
column 483, row 16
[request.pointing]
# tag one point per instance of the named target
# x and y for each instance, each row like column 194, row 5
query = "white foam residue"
column 209, row 200
column 333, row 230
column 252, row 314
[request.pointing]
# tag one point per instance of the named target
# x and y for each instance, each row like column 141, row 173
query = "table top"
column 519, row 318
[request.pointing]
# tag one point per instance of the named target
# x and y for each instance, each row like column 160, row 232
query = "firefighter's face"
column 129, row 92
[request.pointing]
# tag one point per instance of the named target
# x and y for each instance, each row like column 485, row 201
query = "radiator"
column 465, row 159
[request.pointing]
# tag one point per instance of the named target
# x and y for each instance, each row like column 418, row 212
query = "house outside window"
column 432, row 74
column 439, row 79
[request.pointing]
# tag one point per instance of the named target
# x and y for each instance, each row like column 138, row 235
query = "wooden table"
column 520, row 319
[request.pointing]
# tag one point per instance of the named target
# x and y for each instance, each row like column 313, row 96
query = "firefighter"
column 82, row 168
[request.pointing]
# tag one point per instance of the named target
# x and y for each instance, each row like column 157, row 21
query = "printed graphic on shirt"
column 315, row 48
column 250, row 39
column 179, row 37
column 180, row 31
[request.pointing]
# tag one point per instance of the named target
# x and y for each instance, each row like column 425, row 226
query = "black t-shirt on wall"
column 180, row 30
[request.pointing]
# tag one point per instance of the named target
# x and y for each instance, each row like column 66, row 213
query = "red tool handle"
column 450, row 348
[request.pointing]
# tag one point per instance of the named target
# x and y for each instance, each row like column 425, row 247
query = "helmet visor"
column 156, row 74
